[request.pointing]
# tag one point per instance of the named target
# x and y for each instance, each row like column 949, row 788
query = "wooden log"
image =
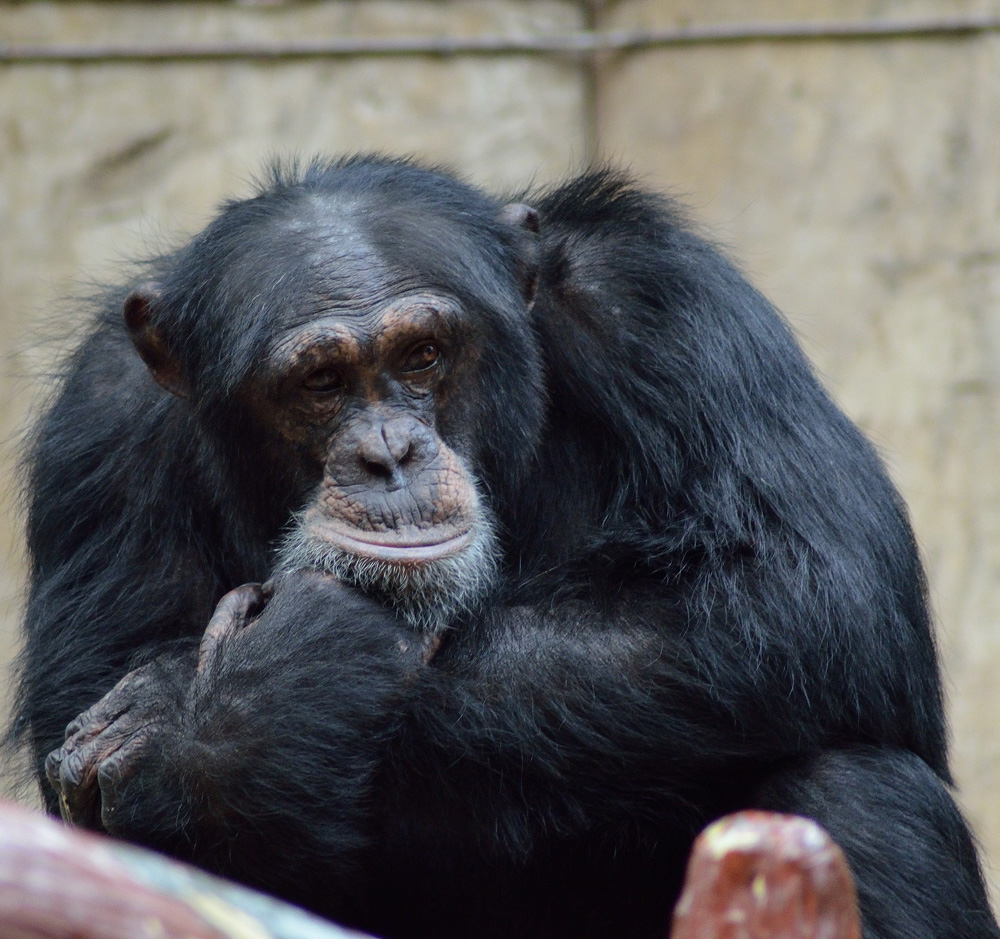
column 751, row 876
column 61, row 883
column 756, row 875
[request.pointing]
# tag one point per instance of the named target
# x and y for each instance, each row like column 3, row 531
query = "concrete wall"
column 858, row 183
column 101, row 162
column 856, row 180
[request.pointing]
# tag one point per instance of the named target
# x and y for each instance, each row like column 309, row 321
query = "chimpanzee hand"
column 122, row 755
column 105, row 743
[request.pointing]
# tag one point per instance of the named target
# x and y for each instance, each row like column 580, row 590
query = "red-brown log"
column 751, row 876
column 58, row 882
column 756, row 875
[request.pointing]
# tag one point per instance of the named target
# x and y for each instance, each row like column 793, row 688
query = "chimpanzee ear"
column 519, row 215
column 149, row 340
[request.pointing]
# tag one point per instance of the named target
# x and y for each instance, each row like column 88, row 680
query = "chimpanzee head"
column 357, row 336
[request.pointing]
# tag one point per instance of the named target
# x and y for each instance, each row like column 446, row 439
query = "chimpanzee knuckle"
column 118, row 699
column 74, row 768
column 113, row 776
column 79, row 733
column 110, row 772
column 97, row 716
column 53, row 763
column 96, row 720
column 75, row 726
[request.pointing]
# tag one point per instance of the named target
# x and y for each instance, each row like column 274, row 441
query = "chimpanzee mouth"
column 423, row 547
column 427, row 581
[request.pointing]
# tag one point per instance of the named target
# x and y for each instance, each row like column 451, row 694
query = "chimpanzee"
column 538, row 547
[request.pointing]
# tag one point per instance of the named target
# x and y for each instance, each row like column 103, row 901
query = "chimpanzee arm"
column 109, row 569
column 117, row 523
column 269, row 736
column 323, row 720
column 583, row 717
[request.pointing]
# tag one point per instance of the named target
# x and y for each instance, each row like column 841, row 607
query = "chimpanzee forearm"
column 643, row 702
column 117, row 576
column 322, row 723
column 639, row 723
column 308, row 706
column 326, row 701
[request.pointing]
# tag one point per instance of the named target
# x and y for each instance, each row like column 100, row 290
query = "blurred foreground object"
column 58, row 882
column 752, row 876
column 755, row 875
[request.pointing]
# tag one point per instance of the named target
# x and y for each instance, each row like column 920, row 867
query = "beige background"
column 857, row 181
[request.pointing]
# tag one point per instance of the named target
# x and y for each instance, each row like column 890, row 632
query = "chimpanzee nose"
column 388, row 447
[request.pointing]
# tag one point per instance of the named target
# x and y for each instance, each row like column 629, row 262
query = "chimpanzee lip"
column 369, row 545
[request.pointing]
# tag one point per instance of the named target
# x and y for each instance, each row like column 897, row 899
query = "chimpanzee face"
column 382, row 352
column 360, row 397
column 363, row 395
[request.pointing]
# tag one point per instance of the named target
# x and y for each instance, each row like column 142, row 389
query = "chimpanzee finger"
column 52, row 765
column 114, row 773
column 77, row 803
column 231, row 614
column 72, row 771
column 96, row 719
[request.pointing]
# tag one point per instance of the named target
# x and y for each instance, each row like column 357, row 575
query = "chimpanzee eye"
column 422, row 357
column 324, row 381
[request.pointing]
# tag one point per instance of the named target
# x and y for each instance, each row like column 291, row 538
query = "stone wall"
column 858, row 183
column 103, row 162
column 855, row 179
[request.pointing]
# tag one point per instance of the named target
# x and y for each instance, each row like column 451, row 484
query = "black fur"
column 710, row 597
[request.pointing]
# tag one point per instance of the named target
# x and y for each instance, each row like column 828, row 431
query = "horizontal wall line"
column 577, row 43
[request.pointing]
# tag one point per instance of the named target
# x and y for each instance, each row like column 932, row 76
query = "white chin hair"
column 427, row 595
